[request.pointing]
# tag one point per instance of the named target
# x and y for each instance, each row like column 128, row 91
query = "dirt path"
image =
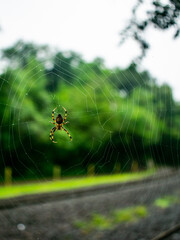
column 55, row 220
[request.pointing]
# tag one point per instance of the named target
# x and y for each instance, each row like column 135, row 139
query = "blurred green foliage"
column 115, row 115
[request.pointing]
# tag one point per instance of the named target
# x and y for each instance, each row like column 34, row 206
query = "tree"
column 19, row 54
column 159, row 15
column 63, row 69
column 130, row 78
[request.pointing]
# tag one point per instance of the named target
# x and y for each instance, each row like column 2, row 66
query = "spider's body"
column 59, row 122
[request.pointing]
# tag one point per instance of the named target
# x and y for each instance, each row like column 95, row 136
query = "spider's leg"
column 65, row 114
column 67, row 133
column 65, row 123
column 51, row 133
column 52, row 122
column 53, row 114
column 51, row 136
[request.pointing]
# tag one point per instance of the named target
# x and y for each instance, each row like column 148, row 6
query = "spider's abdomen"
column 59, row 126
column 59, row 119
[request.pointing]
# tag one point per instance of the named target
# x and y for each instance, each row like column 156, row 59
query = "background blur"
column 68, row 54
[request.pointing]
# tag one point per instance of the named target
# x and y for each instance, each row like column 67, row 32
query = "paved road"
column 55, row 219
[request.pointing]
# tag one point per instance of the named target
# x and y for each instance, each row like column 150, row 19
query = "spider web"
column 82, row 86
column 101, row 150
column 88, row 92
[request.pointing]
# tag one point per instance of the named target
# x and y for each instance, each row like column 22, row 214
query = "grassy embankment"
column 67, row 184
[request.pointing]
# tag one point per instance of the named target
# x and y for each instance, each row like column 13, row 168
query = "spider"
column 59, row 122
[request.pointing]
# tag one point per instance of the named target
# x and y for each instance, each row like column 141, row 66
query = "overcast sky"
column 91, row 28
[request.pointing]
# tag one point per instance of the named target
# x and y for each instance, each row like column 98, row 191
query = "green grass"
column 130, row 214
column 22, row 189
column 166, row 201
column 97, row 221
column 101, row 222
